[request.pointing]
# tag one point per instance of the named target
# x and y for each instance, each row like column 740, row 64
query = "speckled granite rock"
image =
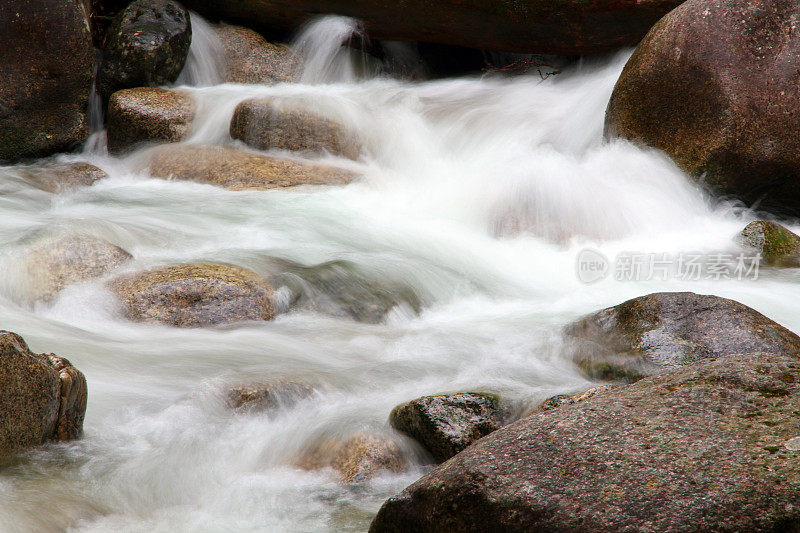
column 355, row 459
column 58, row 177
column 249, row 58
column 148, row 114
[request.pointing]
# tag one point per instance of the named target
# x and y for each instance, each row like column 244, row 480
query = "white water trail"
column 479, row 193
column 204, row 65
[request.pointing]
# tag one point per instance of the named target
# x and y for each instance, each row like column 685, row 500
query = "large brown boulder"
column 46, row 57
column 707, row 448
column 195, row 295
column 538, row 26
column 148, row 115
column 54, row 263
column 249, row 58
column 714, row 85
column 148, row 43
column 651, row 334
column 42, row 397
column 283, row 125
column 238, row 170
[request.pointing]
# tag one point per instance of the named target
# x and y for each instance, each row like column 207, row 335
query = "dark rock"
column 650, row 334
column 148, row 114
column 238, row 170
column 705, row 448
column 714, row 86
column 540, row 26
column 265, row 124
column 59, row 177
column 338, row 288
column 195, row 295
column 46, row 57
column 249, row 58
column 445, row 425
column 259, row 397
column 55, row 263
column 42, row 397
column 355, row 459
column 148, row 43
column 777, row 245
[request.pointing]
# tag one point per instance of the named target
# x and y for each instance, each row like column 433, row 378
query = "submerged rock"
column 238, row 170
column 338, row 288
column 355, row 459
column 268, row 123
column 148, row 114
column 195, row 295
column 705, row 448
column 148, row 43
column 258, row 397
column 777, row 245
column 58, row 177
column 713, row 86
column 47, row 59
column 650, row 334
column 447, row 424
column 249, row 58
column 55, row 263
column 42, row 397
column 535, row 26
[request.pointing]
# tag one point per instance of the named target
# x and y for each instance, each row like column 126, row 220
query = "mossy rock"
column 777, row 245
column 195, row 295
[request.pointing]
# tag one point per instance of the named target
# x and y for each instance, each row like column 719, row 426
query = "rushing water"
column 478, row 193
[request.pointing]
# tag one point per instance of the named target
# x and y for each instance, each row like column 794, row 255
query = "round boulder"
column 42, row 397
column 195, row 295
column 445, row 425
column 266, row 124
column 148, row 114
column 47, row 58
column 249, row 58
column 651, row 334
column 777, row 245
column 714, row 85
column 148, row 43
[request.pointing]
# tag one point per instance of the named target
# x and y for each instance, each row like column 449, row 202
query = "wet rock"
column 148, row 43
column 42, row 397
column 47, row 58
column 59, row 177
column 249, row 58
column 554, row 402
column 698, row 89
column 148, row 114
column 447, row 424
column 651, row 334
column 195, row 295
column 339, row 289
column 355, row 459
column 537, row 26
column 239, row 170
column 259, row 397
column 705, row 448
column 777, row 245
column 55, row 263
column 267, row 123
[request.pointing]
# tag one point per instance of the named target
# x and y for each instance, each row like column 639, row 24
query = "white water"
column 478, row 193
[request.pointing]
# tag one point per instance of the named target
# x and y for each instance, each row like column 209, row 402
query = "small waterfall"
column 322, row 46
column 204, row 66
column 96, row 143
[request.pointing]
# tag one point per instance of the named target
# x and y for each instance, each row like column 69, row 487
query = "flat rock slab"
column 653, row 333
column 195, row 295
column 238, row 170
column 706, row 448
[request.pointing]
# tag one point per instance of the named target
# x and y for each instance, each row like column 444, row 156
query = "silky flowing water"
column 478, row 193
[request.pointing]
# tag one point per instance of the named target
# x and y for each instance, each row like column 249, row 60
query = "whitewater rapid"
column 479, row 193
